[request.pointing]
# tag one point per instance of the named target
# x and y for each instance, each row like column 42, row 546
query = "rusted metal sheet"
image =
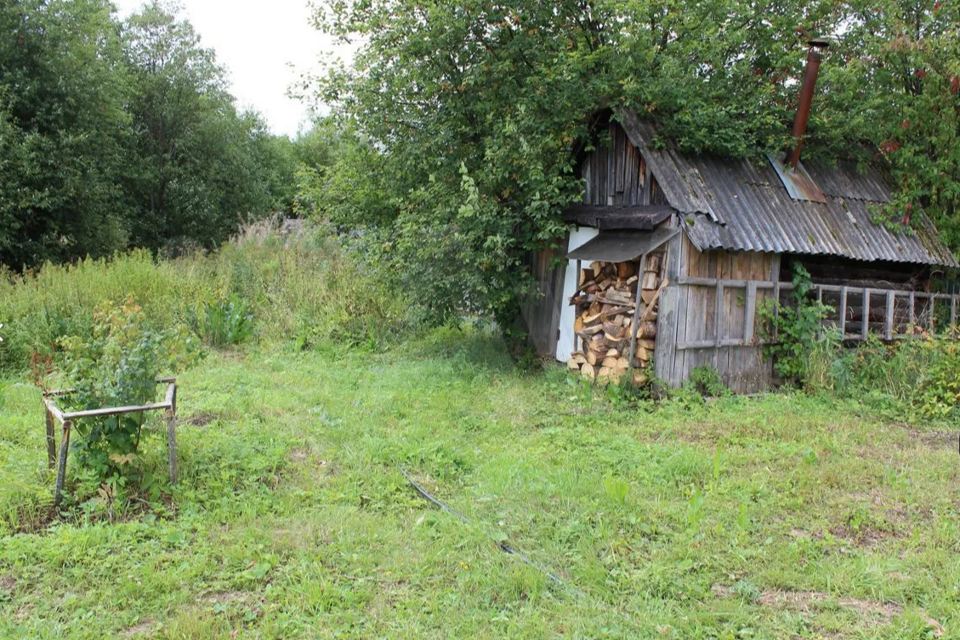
column 796, row 180
column 742, row 205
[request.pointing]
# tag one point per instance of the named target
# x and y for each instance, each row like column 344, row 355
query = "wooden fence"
column 856, row 312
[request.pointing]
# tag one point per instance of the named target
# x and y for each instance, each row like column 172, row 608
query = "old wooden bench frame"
column 54, row 413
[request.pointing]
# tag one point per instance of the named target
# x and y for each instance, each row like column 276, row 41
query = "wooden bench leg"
column 172, row 444
column 51, row 441
column 62, row 464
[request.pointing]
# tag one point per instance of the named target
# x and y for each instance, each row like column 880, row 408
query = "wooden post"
column 953, row 310
column 62, row 464
column 751, row 311
column 933, row 316
column 776, row 313
column 843, row 313
column 172, row 434
column 670, row 314
column 889, row 318
column 719, row 323
column 576, row 308
column 913, row 308
column 820, row 302
column 51, row 439
column 865, row 321
column 636, row 311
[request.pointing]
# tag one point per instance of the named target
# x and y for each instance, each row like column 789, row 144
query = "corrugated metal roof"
column 682, row 184
column 741, row 205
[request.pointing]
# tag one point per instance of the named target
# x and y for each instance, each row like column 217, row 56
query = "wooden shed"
column 672, row 255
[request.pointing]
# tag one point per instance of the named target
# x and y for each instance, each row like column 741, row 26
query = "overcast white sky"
column 258, row 41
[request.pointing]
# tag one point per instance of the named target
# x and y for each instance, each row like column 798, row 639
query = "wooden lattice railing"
column 889, row 313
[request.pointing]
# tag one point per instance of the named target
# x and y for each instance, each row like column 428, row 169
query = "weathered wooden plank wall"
column 616, row 173
column 716, row 297
column 694, row 318
column 541, row 311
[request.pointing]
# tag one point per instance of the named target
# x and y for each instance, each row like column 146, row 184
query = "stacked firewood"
column 606, row 303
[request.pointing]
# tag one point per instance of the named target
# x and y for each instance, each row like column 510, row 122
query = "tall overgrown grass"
column 917, row 376
column 305, row 287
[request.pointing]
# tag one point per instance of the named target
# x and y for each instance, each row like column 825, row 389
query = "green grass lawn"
column 783, row 516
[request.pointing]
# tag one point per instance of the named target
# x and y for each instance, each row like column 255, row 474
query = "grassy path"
column 780, row 517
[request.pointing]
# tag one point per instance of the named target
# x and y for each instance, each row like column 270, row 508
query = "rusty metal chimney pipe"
column 814, row 56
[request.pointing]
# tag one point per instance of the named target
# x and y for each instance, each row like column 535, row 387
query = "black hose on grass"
column 506, row 548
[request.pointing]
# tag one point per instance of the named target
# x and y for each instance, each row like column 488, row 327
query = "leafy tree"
column 277, row 157
column 63, row 131
column 467, row 118
column 904, row 68
column 319, row 189
column 198, row 175
column 116, row 135
column 462, row 120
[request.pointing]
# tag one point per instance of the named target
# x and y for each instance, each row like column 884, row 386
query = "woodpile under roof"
column 606, row 307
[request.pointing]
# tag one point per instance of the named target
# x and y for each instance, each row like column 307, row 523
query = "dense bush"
column 117, row 365
column 921, row 374
column 306, row 287
column 798, row 325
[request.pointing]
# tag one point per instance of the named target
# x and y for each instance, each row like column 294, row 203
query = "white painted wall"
column 578, row 237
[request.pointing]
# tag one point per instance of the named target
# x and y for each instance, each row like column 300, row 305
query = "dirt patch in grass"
column 24, row 612
column 299, row 456
column 138, row 630
column 811, row 601
column 940, row 440
column 305, row 464
column 228, row 597
column 806, row 601
column 7, row 583
column 937, row 440
column 248, row 602
column 230, row 354
column 300, row 536
column 864, row 537
column 201, row 419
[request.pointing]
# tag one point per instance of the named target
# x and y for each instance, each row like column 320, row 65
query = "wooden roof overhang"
column 641, row 217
